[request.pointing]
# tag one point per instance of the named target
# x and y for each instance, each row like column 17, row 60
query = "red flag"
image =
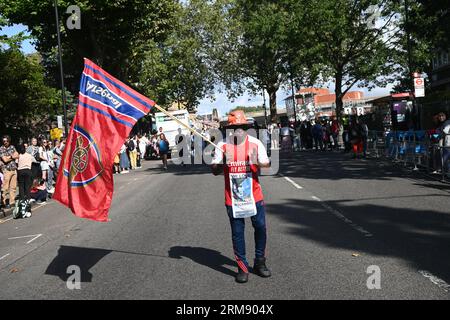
column 107, row 111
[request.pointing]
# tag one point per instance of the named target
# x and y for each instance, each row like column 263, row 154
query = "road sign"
column 419, row 86
column 60, row 122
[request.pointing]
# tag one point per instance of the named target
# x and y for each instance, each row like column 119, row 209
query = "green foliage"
column 248, row 109
column 110, row 32
column 429, row 29
column 25, row 99
column 177, row 70
column 258, row 47
column 353, row 51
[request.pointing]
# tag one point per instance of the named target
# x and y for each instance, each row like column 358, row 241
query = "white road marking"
column 1, row 258
column 437, row 281
column 291, row 182
column 35, row 236
column 334, row 212
column 3, row 221
column 340, row 216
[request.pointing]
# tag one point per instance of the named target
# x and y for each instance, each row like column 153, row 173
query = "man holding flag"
column 107, row 111
column 239, row 159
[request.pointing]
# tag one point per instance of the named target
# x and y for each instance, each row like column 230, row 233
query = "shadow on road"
column 207, row 257
column 336, row 166
column 84, row 258
column 419, row 237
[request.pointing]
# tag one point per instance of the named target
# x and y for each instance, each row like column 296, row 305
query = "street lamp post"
column 63, row 92
column 293, row 99
column 415, row 111
column 264, row 106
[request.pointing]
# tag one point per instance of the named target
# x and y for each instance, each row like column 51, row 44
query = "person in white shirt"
column 47, row 165
column 143, row 142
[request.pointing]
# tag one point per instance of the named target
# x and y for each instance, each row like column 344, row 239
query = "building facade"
column 440, row 76
column 323, row 103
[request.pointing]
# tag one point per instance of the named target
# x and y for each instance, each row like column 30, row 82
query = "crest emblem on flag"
column 86, row 165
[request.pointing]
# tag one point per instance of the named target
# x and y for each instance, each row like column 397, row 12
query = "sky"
column 27, row 46
column 221, row 102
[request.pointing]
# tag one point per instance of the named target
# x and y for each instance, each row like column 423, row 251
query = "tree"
column 355, row 50
column 263, row 45
column 177, row 70
column 110, row 32
column 248, row 109
column 248, row 47
column 25, row 99
column 428, row 29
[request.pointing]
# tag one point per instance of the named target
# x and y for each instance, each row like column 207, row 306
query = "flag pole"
column 184, row 125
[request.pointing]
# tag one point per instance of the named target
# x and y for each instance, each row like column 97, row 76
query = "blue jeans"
column 238, row 235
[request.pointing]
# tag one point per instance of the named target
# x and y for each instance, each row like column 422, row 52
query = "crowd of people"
column 440, row 137
column 321, row 135
column 30, row 168
column 28, row 171
column 139, row 147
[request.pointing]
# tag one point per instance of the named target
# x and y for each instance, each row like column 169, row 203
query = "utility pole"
column 63, row 92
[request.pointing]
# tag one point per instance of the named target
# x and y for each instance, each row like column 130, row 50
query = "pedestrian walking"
column 239, row 158
column 163, row 146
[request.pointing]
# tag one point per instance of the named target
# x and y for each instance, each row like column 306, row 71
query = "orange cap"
column 237, row 118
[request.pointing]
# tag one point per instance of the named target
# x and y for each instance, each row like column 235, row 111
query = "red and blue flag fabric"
column 107, row 111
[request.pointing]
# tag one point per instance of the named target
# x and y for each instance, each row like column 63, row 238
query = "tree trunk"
column 339, row 96
column 272, row 91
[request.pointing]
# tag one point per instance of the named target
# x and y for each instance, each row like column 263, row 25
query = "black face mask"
column 239, row 139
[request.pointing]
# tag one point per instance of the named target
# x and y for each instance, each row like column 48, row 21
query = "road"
column 329, row 219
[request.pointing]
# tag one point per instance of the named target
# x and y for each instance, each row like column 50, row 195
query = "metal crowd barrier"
column 417, row 149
